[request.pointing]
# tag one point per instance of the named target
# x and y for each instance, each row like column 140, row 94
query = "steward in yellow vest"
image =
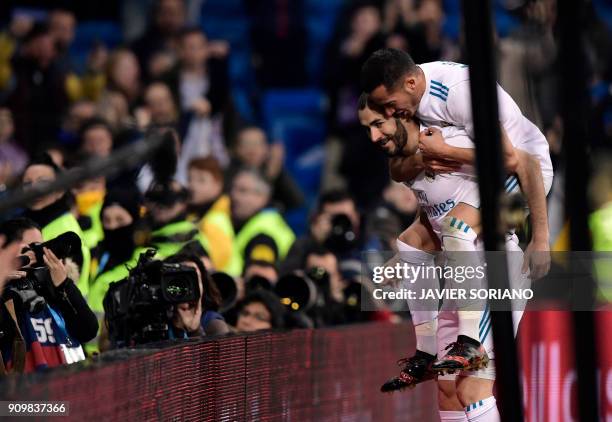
column 171, row 230
column 259, row 233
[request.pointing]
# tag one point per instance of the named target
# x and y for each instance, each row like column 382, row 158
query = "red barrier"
column 301, row 375
column 547, row 359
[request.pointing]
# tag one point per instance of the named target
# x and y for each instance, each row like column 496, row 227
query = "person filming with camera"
column 42, row 308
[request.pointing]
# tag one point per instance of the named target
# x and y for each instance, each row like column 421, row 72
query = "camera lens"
column 178, row 288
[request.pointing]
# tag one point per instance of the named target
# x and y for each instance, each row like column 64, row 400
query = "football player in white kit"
column 438, row 94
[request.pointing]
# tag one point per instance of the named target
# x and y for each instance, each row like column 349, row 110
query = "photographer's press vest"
column 67, row 223
column 268, row 222
column 171, row 238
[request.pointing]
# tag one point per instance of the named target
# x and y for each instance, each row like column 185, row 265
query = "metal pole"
column 483, row 87
column 575, row 105
column 127, row 157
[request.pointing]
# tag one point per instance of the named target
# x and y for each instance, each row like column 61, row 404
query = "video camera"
column 32, row 289
column 138, row 309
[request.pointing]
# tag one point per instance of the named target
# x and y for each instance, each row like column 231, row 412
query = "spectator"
column 52, row 213
column 163, row 31
column 78, row 113
column 96, row 138
column 160, row 105
column 12, row 157
column 198, row 82
column 527, row 61
column 210, row 321
column 364, row 171
column 71, row 321
column 62, row 25
column 208, row 204
column 200, row 87
column 38, row 99
column 260, row 310
column 123, row 75
column 253, row 151
column 416, row 27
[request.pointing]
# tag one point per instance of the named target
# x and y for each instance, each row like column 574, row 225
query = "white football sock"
column 426, row 337
column 483, row 411
column 424, row 313
column 459, row 244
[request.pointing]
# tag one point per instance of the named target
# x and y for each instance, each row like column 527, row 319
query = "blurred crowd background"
column 274, row 174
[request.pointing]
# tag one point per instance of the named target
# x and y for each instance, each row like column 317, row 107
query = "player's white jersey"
column 447, row 102
column 438, row 194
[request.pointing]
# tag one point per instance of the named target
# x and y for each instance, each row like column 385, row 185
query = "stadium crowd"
column 222, row 207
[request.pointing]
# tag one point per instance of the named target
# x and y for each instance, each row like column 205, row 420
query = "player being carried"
column 438, row 93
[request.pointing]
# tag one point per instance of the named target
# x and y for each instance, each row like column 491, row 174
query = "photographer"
column 199, row 318
column 51, row 314
column 259, row 310
column 324, row 263
column 51, row 212
column 338, row 226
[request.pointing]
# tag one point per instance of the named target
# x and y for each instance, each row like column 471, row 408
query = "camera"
column 342, row 236
column 32, row 289
column 138, row 309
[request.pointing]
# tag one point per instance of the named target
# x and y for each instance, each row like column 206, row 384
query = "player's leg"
column 459, row 244
column 450, row 407
column 476, row 395
column 412, row 244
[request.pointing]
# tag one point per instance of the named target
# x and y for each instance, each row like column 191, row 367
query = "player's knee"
column 455, row 230
column 411, row 238
column 447, row 396
column 470, row 389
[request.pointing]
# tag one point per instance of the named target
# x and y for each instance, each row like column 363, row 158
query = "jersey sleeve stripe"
column 438, row 89
column 437, row 95
column 441, row 85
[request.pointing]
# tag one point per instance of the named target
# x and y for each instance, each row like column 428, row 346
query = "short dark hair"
column 362, row 103
column 385, row 67
column 44, row 159
column 271, row 302
column 93, row 123
column 333, row 197
column 318, row 250
column 14, row 229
